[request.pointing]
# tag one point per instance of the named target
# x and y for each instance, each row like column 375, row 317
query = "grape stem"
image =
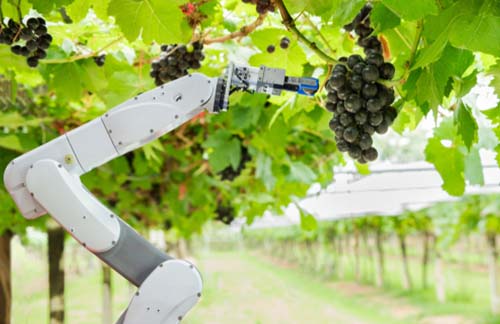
column 242, row 32
column 316, row 29
column 20, row 14
column 82, row 56
column 1, row 15
column 289, row 23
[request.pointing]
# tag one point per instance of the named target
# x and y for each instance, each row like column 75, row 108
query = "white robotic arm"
column 47, row 180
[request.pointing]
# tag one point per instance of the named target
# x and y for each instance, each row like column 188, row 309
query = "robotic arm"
column 47, row 180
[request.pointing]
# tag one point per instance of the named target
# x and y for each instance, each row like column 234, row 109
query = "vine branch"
column 242, row 32
column 82, row 56
column 289, row 23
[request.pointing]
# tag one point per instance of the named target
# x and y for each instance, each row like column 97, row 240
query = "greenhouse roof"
column 388, row 190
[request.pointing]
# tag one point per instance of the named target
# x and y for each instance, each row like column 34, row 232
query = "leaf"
column 431, row 53
column 80, row 8
column 264, row 170
column 15, row 120
column 474, row 168
column 154, row 20
column 301, row 173
column 18, row 142
column 225, row 150
column 45, row 7
column 449, row 162
column 417, row 9
column 495, row 72
column 477, row 33
column 307, row 221
column 467, row 127
column 363, row 169
column 382, row 18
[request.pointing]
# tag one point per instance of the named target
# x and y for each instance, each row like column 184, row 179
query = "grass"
column 248, row 288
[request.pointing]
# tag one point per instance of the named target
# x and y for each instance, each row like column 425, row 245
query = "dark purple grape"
column 375, row 119
column 370, row 73
column 271, row 49
column 365, row 141
column 353, row 103
column 370, row 154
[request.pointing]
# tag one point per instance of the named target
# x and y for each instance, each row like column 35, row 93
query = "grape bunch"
column 262, row 6
column 175, row 60
column 229, row 173
column 359, row 100
column 30, row 40
column 225, row 213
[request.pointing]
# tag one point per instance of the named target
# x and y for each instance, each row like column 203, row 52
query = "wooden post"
column 406, row 270
column 5, row 278
column 493, row 270
column 379, row 259
column 425, row 259
column 107, row 295
column 56, row 273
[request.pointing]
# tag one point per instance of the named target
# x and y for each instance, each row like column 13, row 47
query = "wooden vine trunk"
column 56, row 274
column 107, row 295
column 5, row 278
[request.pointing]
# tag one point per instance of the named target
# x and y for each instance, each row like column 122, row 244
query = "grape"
column 338, row 80
column 342, row 145
column 332, row 97
column 355, row 152
column 370, row 154
column 375, row 118
column 356, row 82
column 16, row 49
column 284, row 43
column 32, row 61
column 32, row 23
column 229, row 173
column 375, row 59
column 99, row 60
column 370, row 73
column 31, row 45
column 358, row 68
column 351, row 134
column 271, row 49
column 382, row 128
column 225, row 213
column 331, row 107
column 369, row 90
column 340, row 107
column 353, row 60
column 365, row 141
column 369, row 129
column 361, row 117
column 387, row 71
column 175, row 60
column 353, row 103
column 373, row 104
column 346, row 119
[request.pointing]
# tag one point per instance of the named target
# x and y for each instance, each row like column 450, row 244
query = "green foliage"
column 438, row 48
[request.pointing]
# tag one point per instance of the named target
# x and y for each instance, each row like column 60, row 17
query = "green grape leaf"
column 449, row 162
column 153, row 20
column 344, row 11
column 301, row 173
column 17, row 142
column 417, row 9
column 264, row 170
column 382, row 18
column 431, row 53
column 477, row 33
column 474, row 168
column 15, row 120
column 80, row 8
column 225, row 150
column 494, row 71
column 467, row 127
column 45, row 7
column 307, row 221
